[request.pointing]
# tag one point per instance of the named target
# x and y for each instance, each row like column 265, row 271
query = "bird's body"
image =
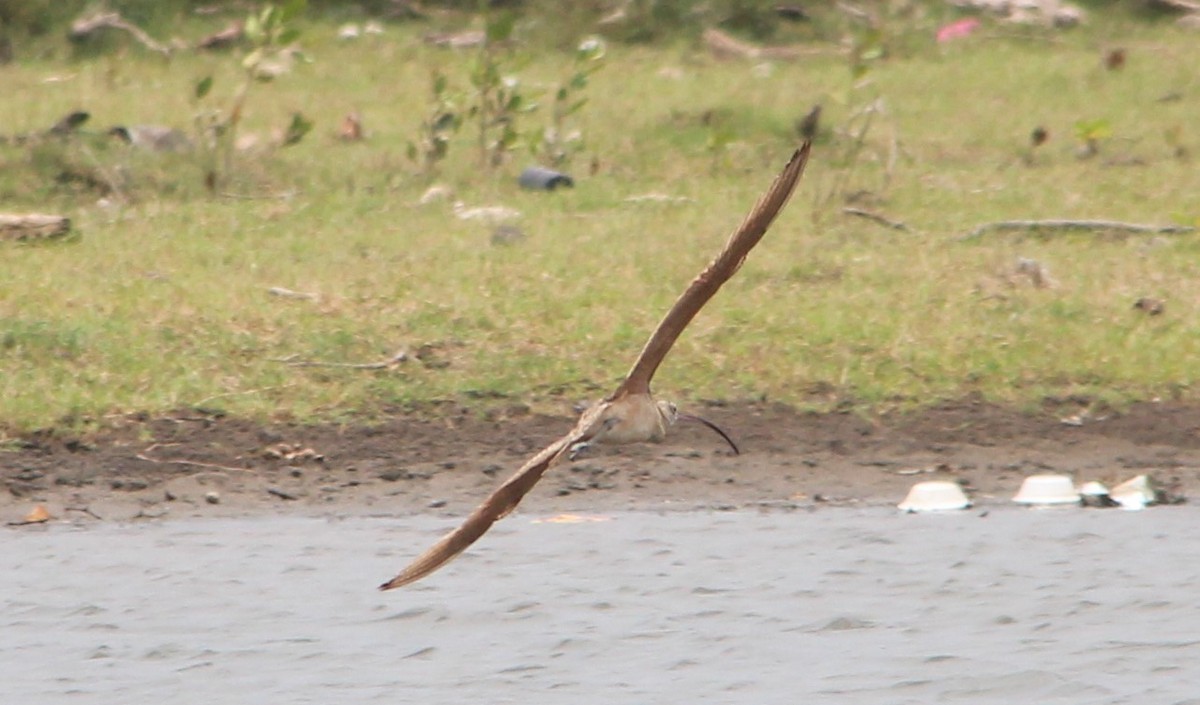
column 630, row 414
column 633, row 418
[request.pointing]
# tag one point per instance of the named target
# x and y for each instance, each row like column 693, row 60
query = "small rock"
column 507, row 235
column 395, row 475
column 437, row 504
column 1152, row 307
column 212, row 497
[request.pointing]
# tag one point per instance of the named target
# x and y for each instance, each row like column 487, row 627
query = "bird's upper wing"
column 498, row 504
column 717, row 273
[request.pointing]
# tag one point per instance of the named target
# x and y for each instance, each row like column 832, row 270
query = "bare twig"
column 244, row 392
column 86, row 26
column 390, row 363
column 282, row 196
column 280, row 494
column 1092, row 225
column 84, row 510
column 192, row 463
column 290, row 294
column 875, row 218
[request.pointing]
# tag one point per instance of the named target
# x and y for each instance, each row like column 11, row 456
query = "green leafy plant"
column 1090, row 133
column 558, row 143
column 866, row 105
column 498, row 100
column 440, row 123
column 270, row 33
column 720, row 134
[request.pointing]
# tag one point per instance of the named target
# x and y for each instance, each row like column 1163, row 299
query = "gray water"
column 838, row 605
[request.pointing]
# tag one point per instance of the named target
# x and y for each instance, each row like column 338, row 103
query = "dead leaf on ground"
column 291, row 453
column 37, row 515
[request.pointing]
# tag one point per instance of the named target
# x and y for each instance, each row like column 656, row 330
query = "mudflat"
column 193, row 464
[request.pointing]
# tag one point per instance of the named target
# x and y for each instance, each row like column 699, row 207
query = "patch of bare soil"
column 191, row 464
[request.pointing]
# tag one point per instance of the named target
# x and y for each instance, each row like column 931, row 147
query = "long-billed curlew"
column 630, row 414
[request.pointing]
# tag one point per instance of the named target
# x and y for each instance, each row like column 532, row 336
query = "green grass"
column 163, row 303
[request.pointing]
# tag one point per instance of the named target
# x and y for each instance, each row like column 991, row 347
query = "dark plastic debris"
column 541, row 178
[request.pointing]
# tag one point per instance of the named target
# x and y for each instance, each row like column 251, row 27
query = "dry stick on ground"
column 390, row 363
column 193, row 463
column 32, row 226
column 725, row 46
column 630, row 414
column 86, row 26
column 1186, row 6
column 84, row 510
column 1094, row 225
column 875, row 218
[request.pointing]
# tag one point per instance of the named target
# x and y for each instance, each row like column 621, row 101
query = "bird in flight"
column 630, row 414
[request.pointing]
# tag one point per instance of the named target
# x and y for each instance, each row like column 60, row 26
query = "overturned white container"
column 935, row 496
column 1094, row 494
column 1135, row 493
column 1047, row 490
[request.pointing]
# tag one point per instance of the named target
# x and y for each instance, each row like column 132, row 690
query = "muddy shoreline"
column 191, row 464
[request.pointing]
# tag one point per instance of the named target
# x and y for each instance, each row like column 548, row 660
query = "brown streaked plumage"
column 629, row 414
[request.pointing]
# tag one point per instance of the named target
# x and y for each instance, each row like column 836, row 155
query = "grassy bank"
column 163, row 300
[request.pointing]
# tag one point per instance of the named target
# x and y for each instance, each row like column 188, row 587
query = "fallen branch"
column 1186, row 6
column 391, row 363
column 193, row 463
column 84, row 27
column 31, row 226
column 1092, row 225
column 726, row 46
column 84, row 510
column 875, row 218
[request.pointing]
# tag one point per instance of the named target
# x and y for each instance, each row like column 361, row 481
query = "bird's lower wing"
column 499, row 503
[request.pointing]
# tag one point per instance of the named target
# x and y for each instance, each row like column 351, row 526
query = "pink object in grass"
column 957, row 30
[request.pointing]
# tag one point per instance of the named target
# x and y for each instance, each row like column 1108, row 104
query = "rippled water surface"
column 838, row 605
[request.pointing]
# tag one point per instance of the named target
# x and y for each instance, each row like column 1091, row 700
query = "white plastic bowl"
column 937, row 496
column 1042, row 490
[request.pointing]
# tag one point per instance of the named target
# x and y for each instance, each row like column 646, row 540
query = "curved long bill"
column 714, row 427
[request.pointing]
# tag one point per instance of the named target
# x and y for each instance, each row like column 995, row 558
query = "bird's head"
column 670, row 414
column 668, row 411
